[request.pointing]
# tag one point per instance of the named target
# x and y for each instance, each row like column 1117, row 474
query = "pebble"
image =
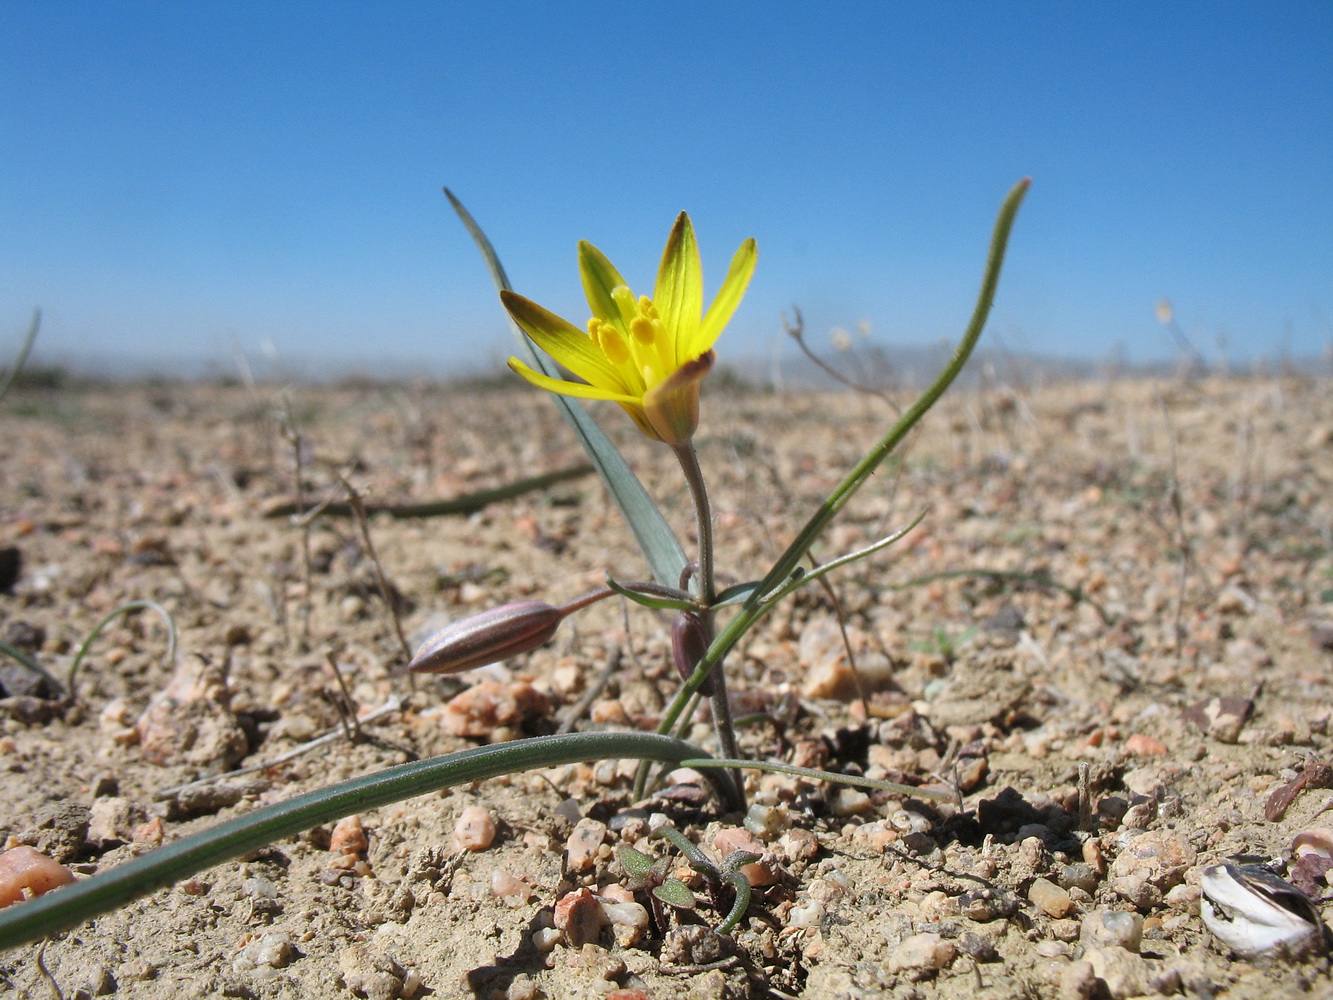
column 1183, row 898
column 850, row 802
column 1141, row 744
column 544, row 939
column 909, row 822
column 522, row 987
column 1078, row 876
column 26, row 872
column 978, row 946
column 805, row 914
column 985, row 905
column 152, row 832
column 629, row 921
column 1149, row 864
column 375, row 977
column 579, row 917
column 921, row 955
column 475, row 829
column 259, row 887
column 348, row 837
column 730, row 839
column 876, row 835
column 766, row 821
column 513, row 890
column 1050, row 898
column 1077, row 981
column 823, row 660
column 584, row 845
column 1123, row 973
column 190, row 722
column 1112, row 928
column 482, row 709
column 274, row 951
column 136, row 970
column 798, row 844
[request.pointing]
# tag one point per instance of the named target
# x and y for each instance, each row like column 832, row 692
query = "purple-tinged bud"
column 488, row 637
column 690, row 639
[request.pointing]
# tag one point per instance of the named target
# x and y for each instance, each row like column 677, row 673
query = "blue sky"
column 178, row 181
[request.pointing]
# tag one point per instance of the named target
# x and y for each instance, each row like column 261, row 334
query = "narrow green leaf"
column 844, row 491
column 659, row 544
column 72, row 904
column 736, row 594
column 658, row 598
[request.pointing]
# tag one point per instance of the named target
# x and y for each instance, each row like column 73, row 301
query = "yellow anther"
column 647, row 307
column 643, row 329
column 608, row 338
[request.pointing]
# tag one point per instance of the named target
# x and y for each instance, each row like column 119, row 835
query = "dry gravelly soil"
column 1150, row 547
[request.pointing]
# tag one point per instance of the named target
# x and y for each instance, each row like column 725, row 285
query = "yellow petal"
column 564, row 388
column 728, row 297
column 679, row 292
column 563, row 341
column 600, row 279
column 672, row 406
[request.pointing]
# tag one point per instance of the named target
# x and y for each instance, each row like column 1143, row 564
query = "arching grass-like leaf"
column 659, row 544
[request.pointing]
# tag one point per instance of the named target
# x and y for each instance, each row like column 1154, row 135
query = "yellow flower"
column 648, row 355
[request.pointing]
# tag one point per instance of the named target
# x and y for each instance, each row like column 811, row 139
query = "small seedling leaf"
column 634, row 861
column 675, row 893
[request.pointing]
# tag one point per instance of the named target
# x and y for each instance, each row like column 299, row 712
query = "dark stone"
column 11, row 566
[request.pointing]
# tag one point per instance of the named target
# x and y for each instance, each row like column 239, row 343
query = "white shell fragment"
column 1257, row 914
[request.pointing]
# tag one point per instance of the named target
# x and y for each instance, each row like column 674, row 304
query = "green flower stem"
column 780, row 575
column 694, row 476
column 65, row 907
column 722, row 724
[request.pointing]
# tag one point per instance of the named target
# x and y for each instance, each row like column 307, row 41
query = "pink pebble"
column 584, row 843
column 580, row 917
column 26, row 872
column 348, row 837
column 492, row 705
column 1144, row 745
column 475, row 830
column 737, row 839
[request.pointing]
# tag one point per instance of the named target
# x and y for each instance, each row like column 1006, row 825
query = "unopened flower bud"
column 488, row 637
column 690, row 639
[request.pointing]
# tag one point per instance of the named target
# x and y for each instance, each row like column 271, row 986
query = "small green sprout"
column 717, row 877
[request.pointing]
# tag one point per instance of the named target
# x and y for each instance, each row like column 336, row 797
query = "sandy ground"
column 1104, row 561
